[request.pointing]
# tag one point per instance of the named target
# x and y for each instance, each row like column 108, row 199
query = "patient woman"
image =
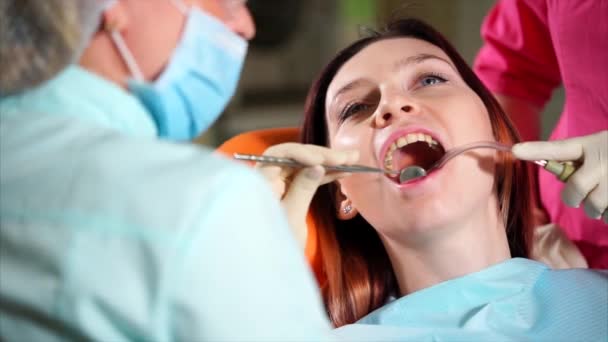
column 447, row 252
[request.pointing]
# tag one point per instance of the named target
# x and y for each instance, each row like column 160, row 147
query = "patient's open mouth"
column 412, row 149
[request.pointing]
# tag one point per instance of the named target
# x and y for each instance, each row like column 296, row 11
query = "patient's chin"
column 421, row 218
column 456, row 204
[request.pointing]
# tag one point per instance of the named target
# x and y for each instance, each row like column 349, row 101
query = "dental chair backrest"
column 256, row 142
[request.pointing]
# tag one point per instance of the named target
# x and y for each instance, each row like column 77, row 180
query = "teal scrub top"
column 516, row 300
column 109, row 234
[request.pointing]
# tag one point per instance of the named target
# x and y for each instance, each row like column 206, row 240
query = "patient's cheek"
column 346, row 141
column 355, row 140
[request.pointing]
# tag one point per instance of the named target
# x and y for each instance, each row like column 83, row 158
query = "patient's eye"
column 429, row 80
column 352, row 109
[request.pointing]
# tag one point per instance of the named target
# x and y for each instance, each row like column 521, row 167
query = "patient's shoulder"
column 575, row 280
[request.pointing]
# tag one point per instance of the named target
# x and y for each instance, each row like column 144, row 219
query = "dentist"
column 113, row 228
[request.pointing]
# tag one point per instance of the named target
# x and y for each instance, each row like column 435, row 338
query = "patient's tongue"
column 419, row 153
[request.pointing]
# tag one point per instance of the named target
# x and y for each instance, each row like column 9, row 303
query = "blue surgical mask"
column 199, row 80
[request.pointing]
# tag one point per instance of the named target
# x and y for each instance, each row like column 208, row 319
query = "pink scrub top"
column 530, row 47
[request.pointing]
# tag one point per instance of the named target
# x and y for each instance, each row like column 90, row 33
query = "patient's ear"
column 346, row 209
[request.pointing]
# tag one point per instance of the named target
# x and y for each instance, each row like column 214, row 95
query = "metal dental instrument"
column 562, row 170
column 293, row 163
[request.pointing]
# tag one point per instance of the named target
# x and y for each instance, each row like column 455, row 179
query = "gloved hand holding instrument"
column 294, row 173
column 586, row 180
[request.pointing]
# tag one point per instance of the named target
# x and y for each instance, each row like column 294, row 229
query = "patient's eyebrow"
column 417, row 59
column 349, row 86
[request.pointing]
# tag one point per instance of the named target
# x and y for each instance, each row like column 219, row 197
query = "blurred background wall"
column 296, row 38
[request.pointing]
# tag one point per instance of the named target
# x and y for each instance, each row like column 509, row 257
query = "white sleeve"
column 244, row 276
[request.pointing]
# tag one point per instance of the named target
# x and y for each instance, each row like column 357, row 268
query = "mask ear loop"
column 181, row 6
column 126, row 55
column 122, row 48
column 124, row 51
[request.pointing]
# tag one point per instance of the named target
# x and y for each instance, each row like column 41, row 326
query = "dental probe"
column 563, row 170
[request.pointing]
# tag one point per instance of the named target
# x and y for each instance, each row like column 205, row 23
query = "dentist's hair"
column 357, row 274
column 39, row 38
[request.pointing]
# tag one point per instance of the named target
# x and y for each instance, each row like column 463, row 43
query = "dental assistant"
column 530, row 48
column 113, row 226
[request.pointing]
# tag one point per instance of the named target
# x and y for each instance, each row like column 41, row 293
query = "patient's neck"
column 462, row 248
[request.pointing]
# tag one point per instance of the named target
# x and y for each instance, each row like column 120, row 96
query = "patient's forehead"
column 379, row 58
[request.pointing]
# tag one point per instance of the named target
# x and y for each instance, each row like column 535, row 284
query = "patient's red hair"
column 358, row 274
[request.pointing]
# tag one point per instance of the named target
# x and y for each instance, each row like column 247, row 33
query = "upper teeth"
column 406, row 140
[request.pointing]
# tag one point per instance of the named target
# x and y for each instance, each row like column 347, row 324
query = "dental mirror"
column 411, row 172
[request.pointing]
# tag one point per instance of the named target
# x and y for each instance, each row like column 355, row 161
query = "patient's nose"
column 394, row 107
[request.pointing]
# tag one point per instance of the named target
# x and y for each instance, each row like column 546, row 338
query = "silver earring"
column 347, row 209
